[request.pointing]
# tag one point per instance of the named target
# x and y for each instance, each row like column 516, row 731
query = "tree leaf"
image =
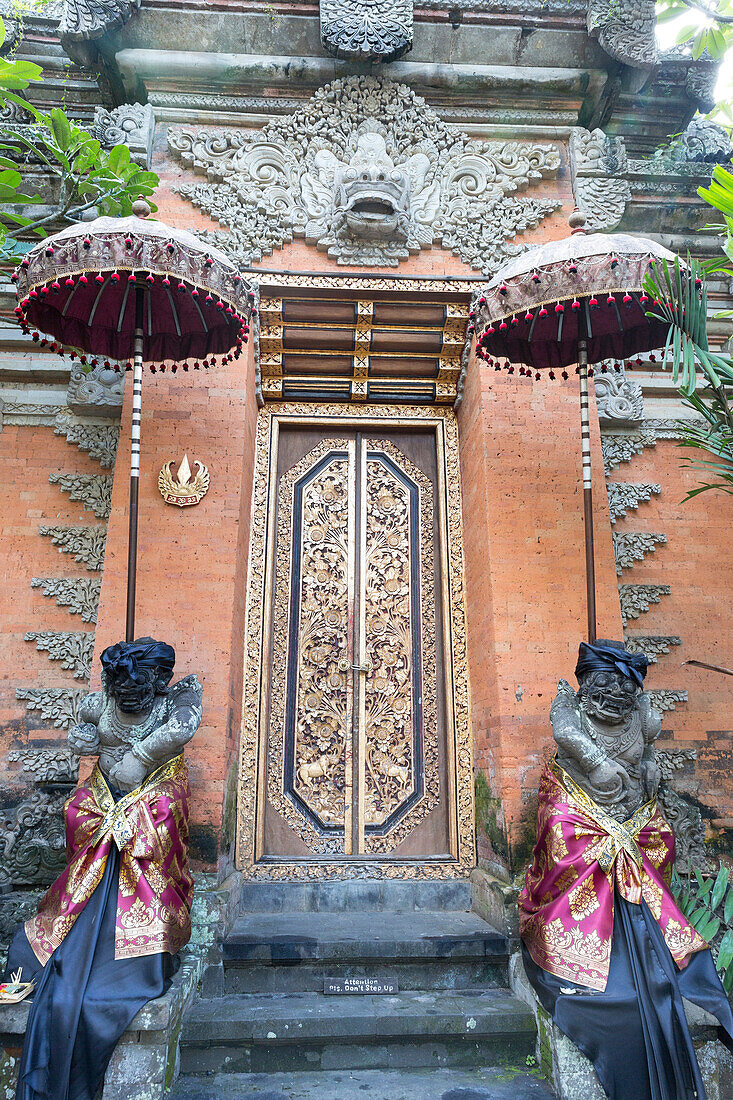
column 719, row 887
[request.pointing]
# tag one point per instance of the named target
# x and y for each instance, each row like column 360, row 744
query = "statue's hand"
column 84, row 739
column 129, row 773
column 609, row 779
column 651, row 777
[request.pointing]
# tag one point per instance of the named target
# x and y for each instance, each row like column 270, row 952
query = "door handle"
column 344, row 665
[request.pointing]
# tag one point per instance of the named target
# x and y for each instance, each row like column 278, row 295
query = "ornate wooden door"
column 356, row 757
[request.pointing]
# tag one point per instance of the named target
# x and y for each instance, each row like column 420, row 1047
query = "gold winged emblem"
column 183, row 489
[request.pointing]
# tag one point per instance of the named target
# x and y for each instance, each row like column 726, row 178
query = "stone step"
column 487, row 1083
column 354, row 894
column 295, row 952
column 249, row 1033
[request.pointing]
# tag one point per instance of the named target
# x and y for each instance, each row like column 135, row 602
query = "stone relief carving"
column 622, row 448
column 83, row 21
column 596, row 162
column 15, row 909
column 79, row 594
column 97, row 393
column 702, row 140
column 368, row 173
column 636, row 599
column 33, row 840
column 57, row 705
column 131, row 124
column 48, row 765
column 665, row 699
column 618, row 399
column 625, row 495
column 700, row 85
column 73, row 649
column 100, row 440
column 652, row 645
column 684, row 817
column 93, row 490
column 626, row 29
column 85, row 543
column 366, row 30
column 633, row 546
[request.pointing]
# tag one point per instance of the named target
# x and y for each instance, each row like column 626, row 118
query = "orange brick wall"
column 191, row 561
column 696, row 564
column 27, row 456
column 525, row 583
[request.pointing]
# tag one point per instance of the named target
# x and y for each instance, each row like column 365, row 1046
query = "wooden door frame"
column 253, row 739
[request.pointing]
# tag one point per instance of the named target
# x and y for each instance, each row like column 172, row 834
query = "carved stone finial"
column 141, row 208
column 577, row 221
column 366, row 30
column 95, row 393
column 137, row 722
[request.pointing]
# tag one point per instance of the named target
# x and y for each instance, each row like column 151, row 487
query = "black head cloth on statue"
column 131, row 659
column 611, row 657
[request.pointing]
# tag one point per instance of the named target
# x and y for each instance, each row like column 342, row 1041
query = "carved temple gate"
column 355, row 735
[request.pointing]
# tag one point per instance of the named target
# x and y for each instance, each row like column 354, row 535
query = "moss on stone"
column 488, row 812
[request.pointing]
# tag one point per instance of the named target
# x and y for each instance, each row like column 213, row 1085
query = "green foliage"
column 704, row 378
column 707, row 903
column 703, row 26
column 83, row 176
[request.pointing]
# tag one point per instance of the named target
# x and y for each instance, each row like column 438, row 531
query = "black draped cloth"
column 84, row 998
column 635, row 1032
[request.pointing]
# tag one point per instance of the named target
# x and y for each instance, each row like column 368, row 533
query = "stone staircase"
column 263, row 1025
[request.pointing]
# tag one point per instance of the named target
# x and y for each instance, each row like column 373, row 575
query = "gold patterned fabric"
column 150, row 828
column 582, row 856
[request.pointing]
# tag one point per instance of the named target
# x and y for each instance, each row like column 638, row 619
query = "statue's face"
column 609, row 696
column 133, row 696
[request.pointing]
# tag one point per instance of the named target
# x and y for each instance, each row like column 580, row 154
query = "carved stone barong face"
column 371, row 196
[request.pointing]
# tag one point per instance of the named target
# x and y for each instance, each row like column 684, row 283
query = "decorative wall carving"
column 93, row 490
column 57, row 705
column 665, row 699
column 48, row 765
column 368, row 173
column 653, row 645
column 622, row 448
column 636, row 599
column 79, row 594
column 33, row 840
column 131, row 124
column 702, row 140
column 366, row 30
column 619, row 400
column 632, row 546
column 96, row 393
column 596, row 163
column 100, row 440
column 73, row 649
column 15, row 909
column 85, row 20
column 623, row 495
column 626, row 29
column 700, row 84
column 85, row 543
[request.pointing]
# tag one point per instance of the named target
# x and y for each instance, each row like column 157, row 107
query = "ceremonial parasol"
column 577, row 300
column 117, row 287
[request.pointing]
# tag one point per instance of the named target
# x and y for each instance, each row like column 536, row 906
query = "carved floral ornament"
column 367, row 172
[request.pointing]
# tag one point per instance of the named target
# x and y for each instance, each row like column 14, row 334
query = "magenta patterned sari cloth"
column 581, row 857
column 150, row 827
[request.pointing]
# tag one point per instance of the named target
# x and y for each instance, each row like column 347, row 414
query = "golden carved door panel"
column 358, row 754
column 353, row 763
